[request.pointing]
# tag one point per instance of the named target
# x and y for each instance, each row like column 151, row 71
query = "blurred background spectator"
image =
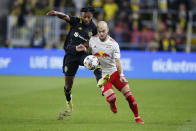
column 153, row 25
column 38, row 39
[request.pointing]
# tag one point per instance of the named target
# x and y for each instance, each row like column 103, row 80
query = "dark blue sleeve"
column 73, row 20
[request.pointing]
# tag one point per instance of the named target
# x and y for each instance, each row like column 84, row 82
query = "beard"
column 103, row 38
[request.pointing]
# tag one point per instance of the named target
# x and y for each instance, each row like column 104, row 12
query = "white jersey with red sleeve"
column 106, row 52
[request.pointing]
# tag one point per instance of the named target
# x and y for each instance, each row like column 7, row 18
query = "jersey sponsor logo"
column 101, row 54
column 76, row 34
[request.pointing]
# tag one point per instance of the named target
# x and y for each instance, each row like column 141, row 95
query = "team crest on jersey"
column 101, row 54
column 80, row 28
column 90, row 34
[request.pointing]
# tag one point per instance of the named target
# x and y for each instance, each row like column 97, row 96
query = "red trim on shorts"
column 114, row 80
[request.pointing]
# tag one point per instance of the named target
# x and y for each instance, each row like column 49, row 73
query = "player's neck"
column 103, row 40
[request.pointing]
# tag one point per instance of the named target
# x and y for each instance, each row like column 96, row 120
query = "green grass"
column 33, row 103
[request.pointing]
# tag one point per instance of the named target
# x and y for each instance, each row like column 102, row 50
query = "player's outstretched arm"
column 83, row 47
column 59, row 14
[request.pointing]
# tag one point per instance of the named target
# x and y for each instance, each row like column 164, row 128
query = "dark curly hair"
column 88, row 9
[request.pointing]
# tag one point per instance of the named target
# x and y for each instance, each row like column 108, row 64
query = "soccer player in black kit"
column 81, row 30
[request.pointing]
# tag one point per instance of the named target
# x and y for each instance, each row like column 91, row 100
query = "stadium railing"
column 20, row 35
column 52, row 28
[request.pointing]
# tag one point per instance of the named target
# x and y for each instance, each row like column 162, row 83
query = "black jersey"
column 78, row 34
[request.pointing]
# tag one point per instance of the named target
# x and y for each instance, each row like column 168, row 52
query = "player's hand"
column 123, row 79
column 80, row 47
column 52, row 13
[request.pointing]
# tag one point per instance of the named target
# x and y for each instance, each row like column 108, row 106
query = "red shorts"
column 114, row 80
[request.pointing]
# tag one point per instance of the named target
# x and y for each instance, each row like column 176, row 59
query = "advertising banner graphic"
column 136, row 64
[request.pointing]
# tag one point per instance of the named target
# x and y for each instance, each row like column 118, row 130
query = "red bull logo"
column 101, row 54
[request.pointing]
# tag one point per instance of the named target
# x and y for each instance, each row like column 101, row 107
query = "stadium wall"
column 136, row 64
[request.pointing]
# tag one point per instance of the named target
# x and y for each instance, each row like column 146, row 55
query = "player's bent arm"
column 119, row 66
column 120, row 70
column 87, row 50
column 59, row 14
column 83, row 47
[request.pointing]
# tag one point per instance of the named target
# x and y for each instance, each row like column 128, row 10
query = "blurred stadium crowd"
column 154, row 25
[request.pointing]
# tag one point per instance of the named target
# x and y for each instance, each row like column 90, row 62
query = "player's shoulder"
column 75, row 19
column 95, row 37
column 93, row 40
column 112, row 41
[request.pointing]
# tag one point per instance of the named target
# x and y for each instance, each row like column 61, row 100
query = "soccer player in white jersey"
column 108, row 52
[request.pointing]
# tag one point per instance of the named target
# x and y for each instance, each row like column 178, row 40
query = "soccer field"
column 33, row 103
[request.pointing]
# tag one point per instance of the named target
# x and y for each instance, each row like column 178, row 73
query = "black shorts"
column 71, row 64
